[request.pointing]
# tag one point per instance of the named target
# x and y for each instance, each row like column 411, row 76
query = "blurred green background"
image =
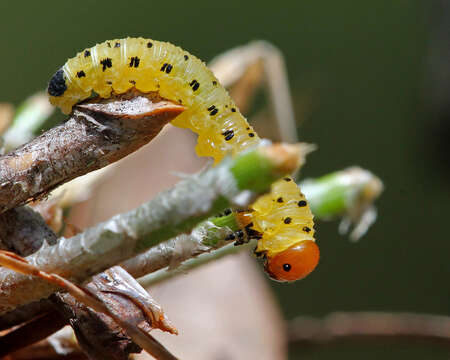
column 358, row 72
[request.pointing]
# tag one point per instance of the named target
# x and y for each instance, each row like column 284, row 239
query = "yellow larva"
column 149, row 65
column 285, row 221
column 116, row 66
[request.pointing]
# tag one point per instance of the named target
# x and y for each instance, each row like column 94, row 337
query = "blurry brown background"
column 370, row 86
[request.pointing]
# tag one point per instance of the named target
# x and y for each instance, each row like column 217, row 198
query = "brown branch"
column 343, row 326
column 98, row 335
column 25, row 313
column 31, row 332
column 96, row 134
column 23, row 231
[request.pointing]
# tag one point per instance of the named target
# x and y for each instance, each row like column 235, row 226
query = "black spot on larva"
column 134, row 61
column 301, row 203
column 108, row 44
column 194, row 84
column 149, row 45
column 306, row 229
column 109, row 82
column 288, row 220
column 251, row 135
column 287, row 267
column 57, row 85
column 287, row 179
column 186, row 57
column 166, row 68
column 132, row 82
column 214, row 82
column 248, row 128
column 117, row 45
column 280, row 200
column 180, row 101
column 213, row 110
column 228, row 134
column 233, row 110
column 81, row 74
column 106, row 63
column 87, row 53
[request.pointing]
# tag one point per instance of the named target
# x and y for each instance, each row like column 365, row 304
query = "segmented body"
column 283, row 216
column 150, row 65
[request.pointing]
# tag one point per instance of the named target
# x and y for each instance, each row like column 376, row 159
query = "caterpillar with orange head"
column 121, row 65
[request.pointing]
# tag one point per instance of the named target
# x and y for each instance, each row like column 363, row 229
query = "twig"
column 192, row 263
column 206, row 237
column 369, row 325
column 60, row 345
column 98, row 335
column 31, row 332
column 208, row 241
column 23, row 231
column 87, row 297
column 170, row 213
column 25, row 313
column 96, row 134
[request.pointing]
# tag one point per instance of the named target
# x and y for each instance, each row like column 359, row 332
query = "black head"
column 57, row 85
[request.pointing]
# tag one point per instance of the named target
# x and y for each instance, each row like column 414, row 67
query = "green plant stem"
column 206, row 237
column 330, row 196
column 341, row 192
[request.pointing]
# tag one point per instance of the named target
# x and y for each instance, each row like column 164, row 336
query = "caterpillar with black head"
column 117, row 66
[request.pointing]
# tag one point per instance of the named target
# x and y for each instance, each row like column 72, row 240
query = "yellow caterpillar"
column 116, row 66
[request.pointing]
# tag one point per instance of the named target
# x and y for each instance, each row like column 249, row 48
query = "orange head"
column 294, row 263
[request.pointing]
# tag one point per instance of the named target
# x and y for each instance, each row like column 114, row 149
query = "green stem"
column 341, row 192
column 330, row 195
column 254, row 170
